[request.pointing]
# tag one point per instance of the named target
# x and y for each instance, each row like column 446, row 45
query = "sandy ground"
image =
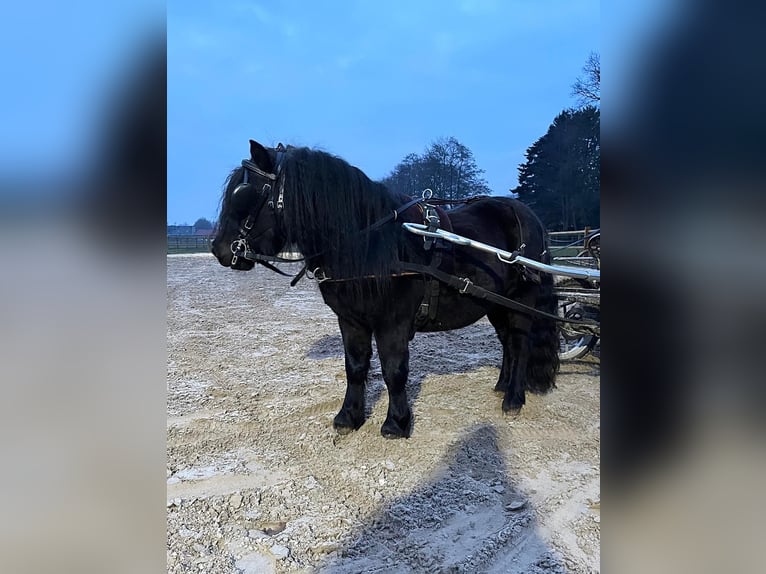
column 259, row 482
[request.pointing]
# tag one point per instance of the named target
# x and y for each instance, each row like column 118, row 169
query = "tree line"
column 559, row 179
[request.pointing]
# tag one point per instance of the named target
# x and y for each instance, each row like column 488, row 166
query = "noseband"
column 240, row 246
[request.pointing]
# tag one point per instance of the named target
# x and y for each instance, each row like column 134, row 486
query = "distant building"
column 176, row 230
column 188, row 230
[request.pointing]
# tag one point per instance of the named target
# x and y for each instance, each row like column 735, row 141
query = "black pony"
column 349, row 230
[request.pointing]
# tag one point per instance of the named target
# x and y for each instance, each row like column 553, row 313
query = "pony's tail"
column 543, row 361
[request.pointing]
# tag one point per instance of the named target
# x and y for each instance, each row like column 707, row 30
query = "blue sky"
column 370, row 81
column 62, row 64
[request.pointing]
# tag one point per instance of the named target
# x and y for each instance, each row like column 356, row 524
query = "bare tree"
column 447, row 167
column 587, row 88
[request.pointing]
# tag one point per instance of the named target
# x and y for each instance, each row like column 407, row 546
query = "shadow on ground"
column 469, row 517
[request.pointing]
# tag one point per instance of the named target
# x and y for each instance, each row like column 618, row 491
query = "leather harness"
column 433, row 216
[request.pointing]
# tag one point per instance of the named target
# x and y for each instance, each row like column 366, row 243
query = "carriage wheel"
column 573, row 345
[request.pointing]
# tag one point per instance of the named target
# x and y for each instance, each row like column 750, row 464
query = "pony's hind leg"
column 518, row 349
column 393, row 350
column 513, row 332
column 357, row 342
column 499, row 320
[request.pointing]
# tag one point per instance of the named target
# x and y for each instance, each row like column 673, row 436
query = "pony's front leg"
column 357, row 342
column 394, row 353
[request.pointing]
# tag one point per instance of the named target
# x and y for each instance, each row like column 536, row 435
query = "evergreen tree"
column 560, row 179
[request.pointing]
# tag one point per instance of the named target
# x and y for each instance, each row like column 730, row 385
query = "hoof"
column 344, row 424
column 392, row 430
column 343, row 431
column 512, row 408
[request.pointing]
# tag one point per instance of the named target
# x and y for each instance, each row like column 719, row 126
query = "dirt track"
column 259, row 482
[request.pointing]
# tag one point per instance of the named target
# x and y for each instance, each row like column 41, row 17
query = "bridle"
column 275, row 186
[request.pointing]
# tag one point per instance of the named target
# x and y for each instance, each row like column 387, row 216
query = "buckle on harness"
column 239, row 246
column 465, row 287
column 316, row 275
column 432, row 221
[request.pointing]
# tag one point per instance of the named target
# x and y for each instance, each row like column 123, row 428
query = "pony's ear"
column 260, row 156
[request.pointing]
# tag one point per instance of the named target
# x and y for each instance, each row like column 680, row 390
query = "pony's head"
column 313, row 202
column 249, row 221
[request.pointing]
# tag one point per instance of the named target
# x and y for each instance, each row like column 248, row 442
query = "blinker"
column 242, row 196
column 238, row 191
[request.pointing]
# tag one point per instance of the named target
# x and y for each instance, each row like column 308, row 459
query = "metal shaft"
column 504, row 256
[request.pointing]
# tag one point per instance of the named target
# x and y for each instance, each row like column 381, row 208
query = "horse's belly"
column 453, row 312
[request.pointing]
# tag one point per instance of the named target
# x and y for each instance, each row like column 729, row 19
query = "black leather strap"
column 466, row 286
column 269, row 266
column 394, row 215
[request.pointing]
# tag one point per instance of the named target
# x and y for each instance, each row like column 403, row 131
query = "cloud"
column 445, row 43
column 253, row 69
column 478, row 6
column 190, row 70
column 263, row 15
column 289, row 29
column 200, row 39
column 345, row 61
column 267, row 18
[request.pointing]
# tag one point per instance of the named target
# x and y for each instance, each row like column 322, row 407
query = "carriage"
column 390, row 265
column 578, row 284
column 579, row 296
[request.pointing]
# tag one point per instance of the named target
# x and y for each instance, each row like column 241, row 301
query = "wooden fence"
column 567, row 243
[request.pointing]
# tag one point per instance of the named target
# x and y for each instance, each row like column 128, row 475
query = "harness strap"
column 298, row 276
column 249, row 164
column 431, row 219
column 429, row 305
column 393, row 216
column 271, row 267
column 466, row 286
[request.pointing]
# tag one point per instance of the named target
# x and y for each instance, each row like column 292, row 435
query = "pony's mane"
column 328, row 205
